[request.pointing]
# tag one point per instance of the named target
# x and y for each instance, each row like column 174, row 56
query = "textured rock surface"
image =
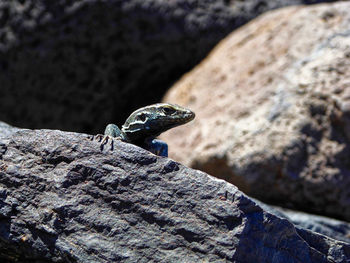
column 62, row 199
column 78, row 65
column 6, row 130
column 330, row 227
column 272, row 106
column 336, row 229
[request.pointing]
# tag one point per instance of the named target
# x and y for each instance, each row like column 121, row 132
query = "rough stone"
column 272, row 110
column 330, row 227
column 78, row 65
column 63, row 199
column 6, row 130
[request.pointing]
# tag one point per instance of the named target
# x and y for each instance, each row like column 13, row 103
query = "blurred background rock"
column 78, row 65
column 272, row 105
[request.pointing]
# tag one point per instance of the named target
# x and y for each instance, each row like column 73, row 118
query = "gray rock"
column 333, row 228
column 64, row 199
column 330, row 227
column 77, row 65
column 6, row 130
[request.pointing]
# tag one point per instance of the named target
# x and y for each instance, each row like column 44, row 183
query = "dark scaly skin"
column 146, row 123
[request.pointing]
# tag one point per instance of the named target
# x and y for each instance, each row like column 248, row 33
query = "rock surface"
column 6, row 130
column 272, row 104
column 330, row 227
column 63, row 199
column 78, row 65
column 336, row 229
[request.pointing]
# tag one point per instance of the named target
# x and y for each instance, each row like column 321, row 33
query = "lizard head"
column 152, row 120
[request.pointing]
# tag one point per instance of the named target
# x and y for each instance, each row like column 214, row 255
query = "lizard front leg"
column 111, row 131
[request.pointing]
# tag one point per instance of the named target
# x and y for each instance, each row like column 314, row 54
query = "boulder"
column 64, row 199
column 272, row 110
column 78, row 65
column 330, row 227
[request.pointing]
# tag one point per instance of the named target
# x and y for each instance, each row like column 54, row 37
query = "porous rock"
column 77, row 65
column 272, row 110
column 64, row 199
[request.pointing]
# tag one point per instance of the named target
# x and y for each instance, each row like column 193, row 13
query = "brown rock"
column 271, row 105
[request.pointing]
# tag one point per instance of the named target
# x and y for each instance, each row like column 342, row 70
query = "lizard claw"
column 112, row 144
column 105, row 139
column 99, row 137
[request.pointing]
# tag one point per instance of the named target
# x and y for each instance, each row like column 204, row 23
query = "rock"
column 6, row 130
column 271, row 104
column 330, row 227
column 79, row 65
column 63, row 199
column 336, row 229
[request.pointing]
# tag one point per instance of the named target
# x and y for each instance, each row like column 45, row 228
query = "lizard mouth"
column 186, row 117
column 189, row 116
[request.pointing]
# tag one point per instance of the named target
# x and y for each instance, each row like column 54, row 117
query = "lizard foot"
column 103, row 140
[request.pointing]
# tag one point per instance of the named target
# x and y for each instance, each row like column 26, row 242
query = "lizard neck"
column 137, row 136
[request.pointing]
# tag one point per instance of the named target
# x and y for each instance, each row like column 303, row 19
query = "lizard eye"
column 142, row 117
column 168, row 111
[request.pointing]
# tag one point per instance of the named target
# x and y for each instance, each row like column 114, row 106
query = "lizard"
column 145, row 124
